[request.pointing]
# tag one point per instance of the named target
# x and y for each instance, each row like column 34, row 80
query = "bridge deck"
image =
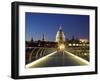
column 58, row 59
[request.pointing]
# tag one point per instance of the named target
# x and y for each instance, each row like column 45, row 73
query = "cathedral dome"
column 60, row 37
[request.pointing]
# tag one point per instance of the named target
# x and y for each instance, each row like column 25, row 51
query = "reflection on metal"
column 30, row 56
column 39, row 60
column 36, row 53
column 80, row 59
column 64, row 58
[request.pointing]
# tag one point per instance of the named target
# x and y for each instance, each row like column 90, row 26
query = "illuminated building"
column 60, row 39
column 83, row 40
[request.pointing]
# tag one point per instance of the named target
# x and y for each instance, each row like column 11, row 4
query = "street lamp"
column 61, row 47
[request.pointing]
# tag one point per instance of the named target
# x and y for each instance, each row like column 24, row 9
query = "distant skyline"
column 38, row 23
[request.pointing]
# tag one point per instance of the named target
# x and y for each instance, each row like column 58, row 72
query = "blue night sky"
column 39, row 23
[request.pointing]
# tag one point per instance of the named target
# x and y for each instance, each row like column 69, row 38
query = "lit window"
column 73, row 44
column 70, row 44
column 76, row 44
column 85, row 53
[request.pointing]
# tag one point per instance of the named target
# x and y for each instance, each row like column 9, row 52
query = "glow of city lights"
column 76, row 44
column 73, row 44
column 70, row 44
column 62, row 47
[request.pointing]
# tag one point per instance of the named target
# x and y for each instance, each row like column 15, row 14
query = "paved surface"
column 57, row 59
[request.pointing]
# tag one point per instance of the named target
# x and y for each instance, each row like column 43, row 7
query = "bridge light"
column 85, row 54
column 76, row 44
column 70, row 44
column 62, row 47
column 73, row 44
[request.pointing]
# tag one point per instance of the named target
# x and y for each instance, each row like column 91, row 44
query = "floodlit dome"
column 60, row 37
